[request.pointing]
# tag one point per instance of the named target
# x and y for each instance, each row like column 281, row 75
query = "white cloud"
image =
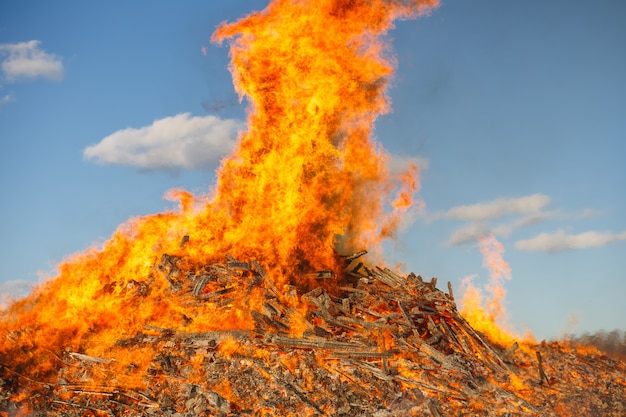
column 27, row 60
column 474, row 230
column 6, row 99
column 559, row 240
column 176, row 142
column 503, row 216
column 468, row 233
column 498, row 208
column 507, row 228
column 583, row 214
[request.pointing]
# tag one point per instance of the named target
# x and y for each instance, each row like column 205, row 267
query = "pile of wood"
column 374, row 343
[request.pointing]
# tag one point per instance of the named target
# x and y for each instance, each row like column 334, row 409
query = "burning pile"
column 241, row 303
column 366, row 343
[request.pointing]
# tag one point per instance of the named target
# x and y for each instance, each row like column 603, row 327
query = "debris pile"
column 364, row 341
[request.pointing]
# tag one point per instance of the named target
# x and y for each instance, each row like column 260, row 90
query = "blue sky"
column 515, row 110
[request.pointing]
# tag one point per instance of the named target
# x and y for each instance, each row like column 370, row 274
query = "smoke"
column 13, row 290
column 612, row 343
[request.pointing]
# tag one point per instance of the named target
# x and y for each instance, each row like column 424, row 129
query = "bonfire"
column 269, row 297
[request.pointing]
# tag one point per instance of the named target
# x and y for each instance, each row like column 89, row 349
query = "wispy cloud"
column 559, row 241
column 503, row 216
column 27, row 60
column 468, row 233
column 507, row 228
column 474, row 230
column 171, row 143
column 498, row 208
column 518, row 212
column 7, row 98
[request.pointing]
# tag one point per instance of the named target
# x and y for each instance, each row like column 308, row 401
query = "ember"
column 259, row 300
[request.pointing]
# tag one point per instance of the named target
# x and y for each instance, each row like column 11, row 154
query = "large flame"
column 307, row 177
column 306, row 182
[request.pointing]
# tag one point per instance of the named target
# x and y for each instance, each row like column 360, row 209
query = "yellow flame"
column 488, row 314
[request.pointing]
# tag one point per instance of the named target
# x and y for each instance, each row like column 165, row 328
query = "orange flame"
column 306, row 170
column 305, row 182
column 499, row 270
column 489, row 315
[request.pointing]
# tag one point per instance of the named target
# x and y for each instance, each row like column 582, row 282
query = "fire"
column 307, row 170
column 489, row 316
column 246, row 290
column 306, row 182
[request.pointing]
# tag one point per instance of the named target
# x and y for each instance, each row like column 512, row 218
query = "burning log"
column 542, row 375
column 326, row 274
column 313, row 344
column 356, row 255
column 87, row 358
column 168, row 267
column 261, row 273
column 201, row 283
column 450, row 293
column 508, row 354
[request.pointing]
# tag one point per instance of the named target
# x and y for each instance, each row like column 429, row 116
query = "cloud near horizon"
column 26, row 60
column 521, row 212
column 559, row 241
column 497, row 208
column 469, row 233
column 527, row 210
column 171, row 143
